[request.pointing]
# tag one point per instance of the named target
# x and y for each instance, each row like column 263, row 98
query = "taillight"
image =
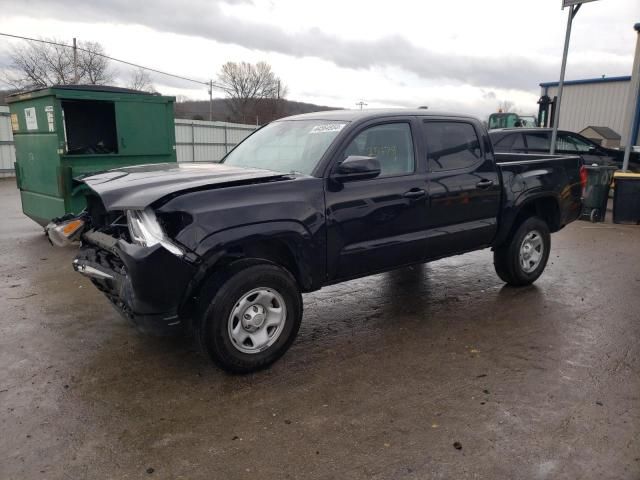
column 583, row 177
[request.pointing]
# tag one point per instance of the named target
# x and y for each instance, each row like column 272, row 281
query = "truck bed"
column 525, row 176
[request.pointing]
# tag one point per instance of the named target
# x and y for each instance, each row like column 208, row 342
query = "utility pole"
column 361, row 104
column 75, row 62
column 574, row 6
column 210, row 100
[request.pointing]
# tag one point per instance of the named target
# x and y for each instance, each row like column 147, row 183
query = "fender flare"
column 524, row 202
column 288, row 244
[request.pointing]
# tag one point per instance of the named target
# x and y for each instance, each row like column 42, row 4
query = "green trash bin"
column 65, row 131
column 596, row 192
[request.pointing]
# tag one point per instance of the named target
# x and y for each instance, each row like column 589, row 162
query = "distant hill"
column 264, row 110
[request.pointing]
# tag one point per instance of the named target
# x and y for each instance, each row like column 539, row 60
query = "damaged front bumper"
column 145, row 284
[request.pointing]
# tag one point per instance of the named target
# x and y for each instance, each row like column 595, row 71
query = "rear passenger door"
column 463, row 185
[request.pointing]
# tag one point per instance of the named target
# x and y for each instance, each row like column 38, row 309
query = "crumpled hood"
column 139, row 186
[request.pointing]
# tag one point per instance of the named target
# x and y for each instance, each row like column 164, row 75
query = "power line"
column 200, row 82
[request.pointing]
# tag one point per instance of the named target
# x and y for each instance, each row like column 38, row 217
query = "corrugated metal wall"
column 201, row 141
column 7, row 151
column 593, row 104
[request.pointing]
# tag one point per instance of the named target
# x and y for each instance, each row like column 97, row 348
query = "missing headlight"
column 145, row 230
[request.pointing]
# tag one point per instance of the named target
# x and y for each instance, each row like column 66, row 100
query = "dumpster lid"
column 85, row 88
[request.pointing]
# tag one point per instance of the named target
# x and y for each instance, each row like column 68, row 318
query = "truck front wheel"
column 522, row 259
column 251, row 318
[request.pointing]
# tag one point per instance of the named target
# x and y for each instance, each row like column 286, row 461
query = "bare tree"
column 37, row 64
column 141, row 80
column 245, row 84
column 506, row 106
column 93, row 66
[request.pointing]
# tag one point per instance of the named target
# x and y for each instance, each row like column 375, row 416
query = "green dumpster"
column 62, row 132
column 596, row 191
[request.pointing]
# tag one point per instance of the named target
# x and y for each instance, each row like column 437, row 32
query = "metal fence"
column 196, row 141
column 201, row 141
column 7, row 150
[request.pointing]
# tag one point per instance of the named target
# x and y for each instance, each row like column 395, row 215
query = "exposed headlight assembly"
column 63, row 233
column 146, row 231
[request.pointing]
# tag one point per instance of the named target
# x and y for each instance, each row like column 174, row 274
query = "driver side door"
column 377, row 224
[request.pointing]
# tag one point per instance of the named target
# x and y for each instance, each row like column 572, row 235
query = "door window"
column 581, row 145
column 518, row 144
column 451, row 145
column 565, row 143
column 505, row 144
column 510, row 143
column 537, row 141
column 391, row 144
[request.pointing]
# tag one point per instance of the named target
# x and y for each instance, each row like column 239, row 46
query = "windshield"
column 290, row 146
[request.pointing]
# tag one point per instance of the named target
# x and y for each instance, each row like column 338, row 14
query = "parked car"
column 538, row 140
column 307, row 201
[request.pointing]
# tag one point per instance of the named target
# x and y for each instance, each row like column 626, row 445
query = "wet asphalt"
column 432, row 372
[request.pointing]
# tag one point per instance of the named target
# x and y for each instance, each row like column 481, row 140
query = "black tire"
column 506, row 258
column 223, row 294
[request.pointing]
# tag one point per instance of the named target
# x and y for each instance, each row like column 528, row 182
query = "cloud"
column 205, row 18
column 490, row 95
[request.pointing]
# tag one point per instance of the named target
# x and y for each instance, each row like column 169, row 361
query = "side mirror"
column 357, row 167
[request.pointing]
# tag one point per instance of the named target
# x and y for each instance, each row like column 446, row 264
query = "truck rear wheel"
column 252, row 319
column 523, row 258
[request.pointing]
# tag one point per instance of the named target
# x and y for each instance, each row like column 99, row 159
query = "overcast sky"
column 464, row 55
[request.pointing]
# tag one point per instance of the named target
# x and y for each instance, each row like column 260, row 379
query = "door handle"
column 484, row 183
column 414, row 193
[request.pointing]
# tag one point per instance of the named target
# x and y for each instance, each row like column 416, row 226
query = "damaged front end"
column 129, row 245
column 128, row 256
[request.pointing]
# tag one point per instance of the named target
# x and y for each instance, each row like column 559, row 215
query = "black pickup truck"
column 226, row 249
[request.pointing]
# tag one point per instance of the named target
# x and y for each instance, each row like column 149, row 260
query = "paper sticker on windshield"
column 328, row 127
